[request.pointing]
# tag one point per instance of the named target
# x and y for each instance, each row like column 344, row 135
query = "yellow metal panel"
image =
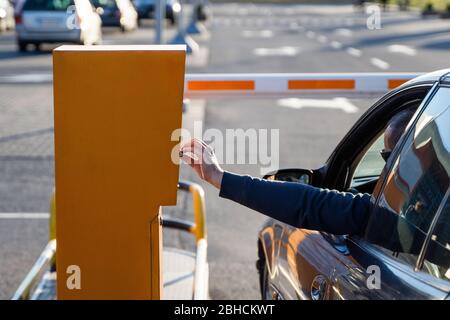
column 115, row 110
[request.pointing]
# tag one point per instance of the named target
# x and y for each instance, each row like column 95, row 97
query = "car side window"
column 416, row 184
column 371, row 163
column 437, row 254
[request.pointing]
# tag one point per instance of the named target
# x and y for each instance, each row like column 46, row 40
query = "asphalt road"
column 242, row 38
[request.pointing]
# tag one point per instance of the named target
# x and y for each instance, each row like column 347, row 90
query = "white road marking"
column 199, row 59
column 24, row 215
column 380, row 63
column 286, row 51
column 354, row 52
column 257, row 33
column 344, row 32
column 27, row 78
column 336, row 45
column 398, row 48
column 342, row 104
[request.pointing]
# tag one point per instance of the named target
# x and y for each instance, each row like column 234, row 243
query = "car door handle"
column 318, row 288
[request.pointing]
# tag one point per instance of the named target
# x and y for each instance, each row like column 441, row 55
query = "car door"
column 306, row 260
column 404, row 252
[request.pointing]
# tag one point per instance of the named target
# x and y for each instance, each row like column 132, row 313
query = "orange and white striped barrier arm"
column 280, row 84
column 269, row 84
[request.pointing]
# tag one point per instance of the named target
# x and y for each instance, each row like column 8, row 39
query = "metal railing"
column 200, row 291
column 198, row 229
column 32, row 279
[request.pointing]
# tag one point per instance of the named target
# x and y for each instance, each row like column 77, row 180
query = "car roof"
column 443, row 74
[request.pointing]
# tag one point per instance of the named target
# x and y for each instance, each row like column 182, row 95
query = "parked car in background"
column 146, row 9
column 404, row 250
column 50, row 21
column 117, row 13
column 6, row 15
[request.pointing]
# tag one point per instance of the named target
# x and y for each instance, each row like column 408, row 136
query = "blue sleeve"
column 300, row 205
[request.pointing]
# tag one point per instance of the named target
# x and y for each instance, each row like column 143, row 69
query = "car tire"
column 265, row 284
column 268, row 291
column 263, row 272
column 172, row 21
column 122, row 28
column 22, row 45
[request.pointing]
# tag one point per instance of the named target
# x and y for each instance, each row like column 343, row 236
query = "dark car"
column 146, row 9
column 404, row 251
column 117, row 13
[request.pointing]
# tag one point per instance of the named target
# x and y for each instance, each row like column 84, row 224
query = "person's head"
column 394, row 131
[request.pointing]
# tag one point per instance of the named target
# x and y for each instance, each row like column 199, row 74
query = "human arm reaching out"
column 296, row 204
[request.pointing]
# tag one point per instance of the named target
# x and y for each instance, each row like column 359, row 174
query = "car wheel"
column 122, row 28
column 22, row 46
column 37, row 46
column 172, row 21
column 267, row 290
column 264, row 279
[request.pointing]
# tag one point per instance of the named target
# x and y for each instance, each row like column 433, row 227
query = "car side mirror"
column 100, row 11
column 291, row 175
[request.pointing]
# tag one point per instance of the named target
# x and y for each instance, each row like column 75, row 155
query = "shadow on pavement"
column 443, row 44
column 17, row 54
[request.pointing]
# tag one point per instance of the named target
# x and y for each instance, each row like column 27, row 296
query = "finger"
column 189, row 147
column 191, row 160
column 197, row 150
column 187, row 144
column 200, row 143
column 205, row 145
column 190, row 154
column 194, row 165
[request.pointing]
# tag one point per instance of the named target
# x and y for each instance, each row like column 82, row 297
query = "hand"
column 202, row 159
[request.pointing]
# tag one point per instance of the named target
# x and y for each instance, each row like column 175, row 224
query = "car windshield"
column 47, row 5
column 105, row 3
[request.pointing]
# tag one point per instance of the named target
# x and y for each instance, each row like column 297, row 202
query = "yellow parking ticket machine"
column 115, row 110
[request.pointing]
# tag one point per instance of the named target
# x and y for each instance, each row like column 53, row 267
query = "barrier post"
column 181, row 36
column 115, row 110
column 193, row 27
column 160, row 13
